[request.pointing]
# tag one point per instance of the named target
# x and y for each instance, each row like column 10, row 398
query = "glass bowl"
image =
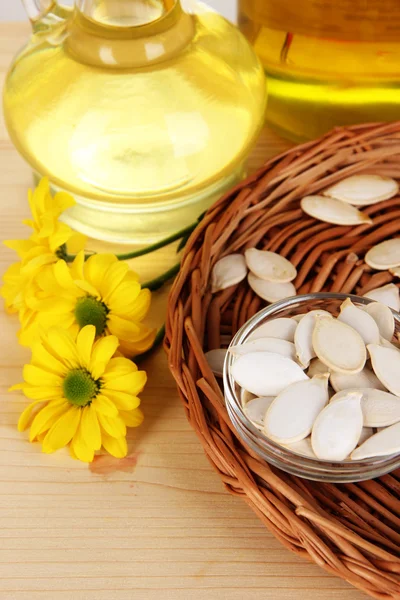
column 273, row 453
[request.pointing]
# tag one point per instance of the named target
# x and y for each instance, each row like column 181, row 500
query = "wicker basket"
column 351, row 530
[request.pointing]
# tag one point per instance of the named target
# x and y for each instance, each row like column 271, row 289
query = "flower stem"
column 157, row 341
column 159, row 281
column 165, row 242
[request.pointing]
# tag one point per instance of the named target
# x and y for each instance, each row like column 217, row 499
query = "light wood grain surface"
column 156, row 526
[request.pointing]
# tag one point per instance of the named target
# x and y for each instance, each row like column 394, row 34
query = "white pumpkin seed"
column 385, row 255
column 298, row 318
column 395, row 271
column 384, row 443
column 379, row 408
column 387, row 344
column 256, row 409
column 337, row 428
column 359, row 320
column 363, row 190
column 386, row 364
column 383, row 317
column 366, row 433
column 282, row 328
column 338, row 345
column 265, row 373
column 302, row 447
column 303, row 336
column 317, row 367
column 216, row 359
column 292, row 414
column 267, row 344
column 364, row 379
column 387, row 294
column 270, row 265
column 245, row 397
column 228, row 271
column 333, row 211
column 269, row 290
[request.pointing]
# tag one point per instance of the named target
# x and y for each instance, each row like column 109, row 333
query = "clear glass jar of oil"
column 328, row 62
column 141, row 109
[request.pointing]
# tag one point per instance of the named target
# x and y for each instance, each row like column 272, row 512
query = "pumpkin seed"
column 338, row 345
column 383, row 317
column 269, row 265
column 366, row 433
column 245, row 397
column 387, row 294
column 333, row 211
column 359, row 320
column 364, row 379
column 216, row 359
column 317, row 367
column 292, row 414
column 386, row 364
column 363, row 190
column 282, row 328
column 379, row 408
column 268, row 344
column 303, row 337
column 269, row 290
column 338, row 428
column 395, row 271
column 228, row 271
column 265, row 373
column 302, row 447
column 384, row 443
column 385, row 255
column 256, row 409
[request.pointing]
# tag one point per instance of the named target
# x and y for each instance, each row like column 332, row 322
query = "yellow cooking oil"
column 328, row 62
column 143, row 110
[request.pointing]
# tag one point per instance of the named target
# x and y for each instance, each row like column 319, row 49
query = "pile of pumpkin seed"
column 324, row 387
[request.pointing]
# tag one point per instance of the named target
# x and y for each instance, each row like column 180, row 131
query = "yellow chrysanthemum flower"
column 82, row 396
column 102, row 291
column 46, row 245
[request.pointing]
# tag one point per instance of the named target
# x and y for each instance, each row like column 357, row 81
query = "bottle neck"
column 127, row 13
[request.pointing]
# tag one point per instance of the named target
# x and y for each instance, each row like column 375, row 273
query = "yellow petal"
column 88, row 288
column 133, row 418
column 62, row 431
column 45, row 360
column 61, row 343
column 123, row 295
column 61, row 235
column 40, row 377
column 114, row 276
column 96, row 268
column 118, row 366
column 102, row 352
column 122, row 400
column 90, row 428
column 77, row 266
column 76, row 243
column 133, row 383
column 114, row 426
column 116, row 447
column 141, row 306
column 103, row 405
column 26, row 415
column 47, row 416
column 41, row 392
column 21, row 247
column 131, row 348
column 62, row 274
column 84, row 343
column 62, row 201
column 122, row 328
column 36, row 263
column 79, row 449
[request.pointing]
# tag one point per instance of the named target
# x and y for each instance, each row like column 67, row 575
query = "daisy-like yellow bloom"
column 82, row 395
column 45, row 246
column 102, row 291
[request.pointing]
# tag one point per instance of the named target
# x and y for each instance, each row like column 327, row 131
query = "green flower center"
column 90, row 311
column 79, row 387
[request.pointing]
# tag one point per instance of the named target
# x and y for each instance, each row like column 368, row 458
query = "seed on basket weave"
column 386, row 364
column 387, row 294
column 362, row 190
column 383, row 317
column 303, row 337
column 359, row 320
column 216, row 359
column 269, row 290
column 395, row 271
column 380, row 409
column 338, row 427
column 333, row 211
column 385, row 255
column 265, row 373
column 384, row 443
column 270, row 266
column 291, row 415
column 338, row 345
column 228, row 271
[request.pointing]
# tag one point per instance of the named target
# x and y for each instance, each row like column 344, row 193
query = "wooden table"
column 156, row 526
